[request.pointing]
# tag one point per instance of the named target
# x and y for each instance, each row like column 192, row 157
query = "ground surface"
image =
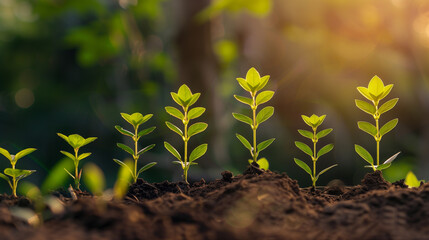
column 255, row 205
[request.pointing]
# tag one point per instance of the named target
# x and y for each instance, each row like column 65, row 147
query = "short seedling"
column 375, row 92
column 185, row 99
column 16, row 174
column 412, row 181
column 135, row 119
column 314, row 121
column 252, row 84
column 76, row 142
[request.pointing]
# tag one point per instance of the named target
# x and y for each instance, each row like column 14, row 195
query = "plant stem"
column 185, row 123
column 76, row 166
column 255, row 156
column 377, row 138
column 135, row 154
column 13, row 182
column 314, row 156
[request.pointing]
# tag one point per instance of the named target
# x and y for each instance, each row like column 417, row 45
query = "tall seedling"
column 314, row 122
column 186, row 99
column 375, row 92
column 16, row 174
column 135, row 119
column 252, row 84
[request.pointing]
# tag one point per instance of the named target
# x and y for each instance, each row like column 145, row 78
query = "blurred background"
column 72, row 66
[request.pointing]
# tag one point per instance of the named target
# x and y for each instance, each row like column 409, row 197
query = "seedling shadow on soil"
column 254, row 205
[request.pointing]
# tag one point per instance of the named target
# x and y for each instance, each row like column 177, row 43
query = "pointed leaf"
column 325, row 170
column 83, row 155
column 145, row 132
column 174, row 112
column 307, row 120
column 69, row 155
column 263, row 83
column 94, row 179
column 124, row 165
column 253, row 77
column 244, row 142
column 264, row 97
column 306, row 133
column 389, row 160
column 243, row 118
column 320, row 121
column 123, row 131
column 324, row 150
column 76, row 141
column 172, row 150
column 386, row 91
column 177, row 99
column 323, row 133
column 23, row 153
column 146, row 167
column 194, row 99
column 71, row 175
column 264, row 114
column 364, row 154
column 383, row 166
column 244, row 100
column 304, row 166
column 127, row 117
column 185, row 93
column 196, row 112
column 388, row 126
column 136, row 119
column 145, row 118
column 196, row 128
column 376, row 86
column 303, row 147
column 388, row 105
column 261, row 146
column 89, row 140
column 364, row 91
column 5, row 153
column 368, row 128
column 145, row 149
column 364, row 106
column 198, row 152
column 125, row 148
column 244, row 84
column 411, row 180
column 63, row 137
column 174, row 128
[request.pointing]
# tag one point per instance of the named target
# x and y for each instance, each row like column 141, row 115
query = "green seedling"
column 186, row 99
column 411, row 180
column 375, row 92
column 135, row 119
column 76, row 142
column 252, row 84
column 16, row 174
column 314, row 122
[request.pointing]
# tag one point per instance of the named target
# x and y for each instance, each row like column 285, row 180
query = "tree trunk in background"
column 198, row 67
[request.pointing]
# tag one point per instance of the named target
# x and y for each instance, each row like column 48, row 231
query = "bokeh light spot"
column 24, row 98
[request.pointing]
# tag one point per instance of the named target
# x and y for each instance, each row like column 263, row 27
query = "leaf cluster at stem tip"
column 375, row 92
column 314, row 122
column 252, row 84
column 185, row 99
column 135, row 119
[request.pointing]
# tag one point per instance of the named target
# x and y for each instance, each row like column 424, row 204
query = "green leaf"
column 325, row 170
column 364, row 154
column 194, row 99
column 5, row 178
column 244, row 142
column 244, row 100
column 125, row 148
column 127, row 117
column 177, row 99
column 383, row 166
column 121, row 164
column 264, row 114
column 244, row 84
column 5, row 153
column 83, row 155
column 303, row 147
column 304, row 166
column 324, row 150
column 69, row 155
column 388, row 105
column 196, row 128
column 185, row 93
column 174, row 112
column 145, row 149
column 146, row 167
column 76, row 141
column 364, row 106
column 263, row 163
column 64, row 137
column 123, row 131
column 376, row 86
column 174, row 128
column 261, row 146
column 23, row 153
column 318, row 120
column 145, row 119
column 18, row 173
column 145, row 132
column 388, row 126
column 306, row 133
column 172, row 150
column 386, row 91
column 368, row 128
column 198, row 152
column 253, row 77
column 323, row 133
column 364, row 91
column 88, row 140
column 71, row 175
column 243, row 118
column 264, row 97
column 307, row 120
column 263, row 83
column 94, row 179
column 196, row 112
column 411, row 180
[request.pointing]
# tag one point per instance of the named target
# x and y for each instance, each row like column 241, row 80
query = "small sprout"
column 16, row 174
column 185, row 99
column 252, row 84
column 76, row 142
column 375, row 92
column 135, row 119
column 122, row 182
column 412, row 181
column 94, row 179
column 314, row 121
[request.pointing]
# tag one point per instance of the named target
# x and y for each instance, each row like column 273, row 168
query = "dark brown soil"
column 255, row 205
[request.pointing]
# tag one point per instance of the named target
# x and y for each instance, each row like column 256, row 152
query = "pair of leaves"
column 131, row 151
column 14, row 158
column 130, row 134
column 142, row 169
column 261, row 146
column 136, row 119
column 370, row 109
column 192, row 130
column 307, row 169
column 372, row 130
column 261, row 98
column 253, row 82
column 261, row 117
column 192, row 114
column 195, row 154
column 72, row 157
column 376, row 90
column 319, row 135
column 363, row 153
column 18, row 173
column 76, row 141
column 184, row 96
column 314, row 121
column 307, row 150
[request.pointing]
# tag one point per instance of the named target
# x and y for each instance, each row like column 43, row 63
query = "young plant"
column 412, row 181
column 252, row 84
column 76, row 142
column 375, row 92
column 186, row 99
column 135, row 119
column 16, row 174
column 314, row 121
